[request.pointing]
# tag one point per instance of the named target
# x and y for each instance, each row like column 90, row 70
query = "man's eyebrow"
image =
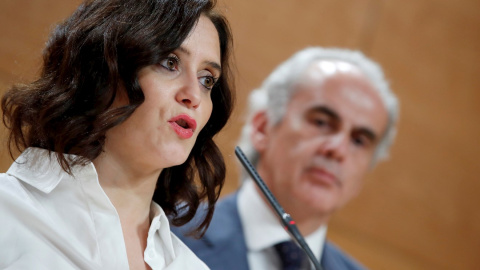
column 325, row 110
column 369, row 133
column 331, row 113
column 213, row 64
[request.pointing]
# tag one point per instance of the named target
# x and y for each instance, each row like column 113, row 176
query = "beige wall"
column 418, row 210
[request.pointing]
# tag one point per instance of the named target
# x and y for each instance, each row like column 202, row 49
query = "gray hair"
column 277, row 89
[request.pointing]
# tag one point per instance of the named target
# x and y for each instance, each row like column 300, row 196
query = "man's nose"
column 335, row 146
column 189, row 93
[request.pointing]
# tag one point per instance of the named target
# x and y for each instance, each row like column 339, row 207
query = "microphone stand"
column 285, row 218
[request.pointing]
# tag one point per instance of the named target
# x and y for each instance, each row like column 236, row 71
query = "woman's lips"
column 183, row 125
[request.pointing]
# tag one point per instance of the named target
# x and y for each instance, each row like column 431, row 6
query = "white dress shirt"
column 52, row 220
column 263, row 229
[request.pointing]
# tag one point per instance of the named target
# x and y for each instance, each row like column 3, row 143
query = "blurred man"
column 318, row 124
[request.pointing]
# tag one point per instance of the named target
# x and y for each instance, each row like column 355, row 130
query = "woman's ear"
column 259, row 134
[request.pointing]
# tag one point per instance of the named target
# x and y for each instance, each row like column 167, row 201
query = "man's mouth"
column 325, row 176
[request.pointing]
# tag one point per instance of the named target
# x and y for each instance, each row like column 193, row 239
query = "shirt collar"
column 163, row 250
column 262, row 228
column 40, row 168
column 160, row 226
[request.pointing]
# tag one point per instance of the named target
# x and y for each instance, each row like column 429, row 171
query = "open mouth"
column 183, row 125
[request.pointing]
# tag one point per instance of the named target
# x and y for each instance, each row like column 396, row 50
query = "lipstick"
column 183, row 125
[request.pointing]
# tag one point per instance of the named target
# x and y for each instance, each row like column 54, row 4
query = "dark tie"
column 291, row 256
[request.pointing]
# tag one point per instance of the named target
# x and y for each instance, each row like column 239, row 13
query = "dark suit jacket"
column 223, row 245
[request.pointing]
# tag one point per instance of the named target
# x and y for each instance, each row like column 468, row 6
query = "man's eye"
column 322, row 122
column 208, row 81
column 170, row 63
column 358, row 141
column 361, row 141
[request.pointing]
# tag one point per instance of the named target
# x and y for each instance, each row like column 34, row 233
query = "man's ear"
column 259, row 134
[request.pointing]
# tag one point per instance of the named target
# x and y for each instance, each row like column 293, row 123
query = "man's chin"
column 322, row 201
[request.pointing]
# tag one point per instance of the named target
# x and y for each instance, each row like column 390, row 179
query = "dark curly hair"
column 93, row 54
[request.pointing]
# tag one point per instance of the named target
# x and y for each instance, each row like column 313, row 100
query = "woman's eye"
column 170, row 63
column 208, row 81
column 320, row 122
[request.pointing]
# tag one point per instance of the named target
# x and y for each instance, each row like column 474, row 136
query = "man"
column 318, row 124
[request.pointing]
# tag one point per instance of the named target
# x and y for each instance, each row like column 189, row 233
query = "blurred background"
column 418, row 209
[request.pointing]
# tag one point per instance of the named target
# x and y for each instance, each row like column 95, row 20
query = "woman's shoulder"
column 14, row 192
column 9, row 184
column 27, row 175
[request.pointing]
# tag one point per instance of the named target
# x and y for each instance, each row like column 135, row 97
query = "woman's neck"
column 129, row 190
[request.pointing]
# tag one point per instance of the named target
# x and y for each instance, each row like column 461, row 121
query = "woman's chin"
column 176, row 159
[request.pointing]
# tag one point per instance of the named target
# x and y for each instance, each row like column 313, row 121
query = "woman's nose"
column 189, row 93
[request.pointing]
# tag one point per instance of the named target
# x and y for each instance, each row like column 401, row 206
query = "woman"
column 129, row 98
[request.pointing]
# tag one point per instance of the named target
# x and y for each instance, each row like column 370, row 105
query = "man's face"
column 315, row 159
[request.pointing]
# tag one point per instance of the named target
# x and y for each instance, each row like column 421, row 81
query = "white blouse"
column 51, row 220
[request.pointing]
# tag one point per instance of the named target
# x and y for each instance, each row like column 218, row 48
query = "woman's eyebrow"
column 213, row 64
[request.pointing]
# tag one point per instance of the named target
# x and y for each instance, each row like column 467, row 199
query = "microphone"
column 287, row 221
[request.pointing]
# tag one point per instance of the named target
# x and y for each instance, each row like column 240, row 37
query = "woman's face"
column 163, row 129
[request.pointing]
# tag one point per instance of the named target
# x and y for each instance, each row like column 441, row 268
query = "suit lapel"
column 225, row 235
